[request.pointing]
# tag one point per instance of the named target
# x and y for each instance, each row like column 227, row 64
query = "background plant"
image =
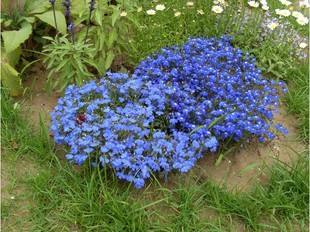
column 19, row 20
column 68, row 62
column 101, row 27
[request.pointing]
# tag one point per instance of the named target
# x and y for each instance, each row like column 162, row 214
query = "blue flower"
column 179, row 104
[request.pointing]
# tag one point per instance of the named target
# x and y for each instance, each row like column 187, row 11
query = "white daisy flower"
column 200, row 12
column 253, row 4
column 190, row 4
column 151, row 12
column 302, row 20
column 303, row 45
column 284, row 12
column 160, row 7
column 297, row 14
column 265, row 7
column 285, row 2
column 217, row 9
column 304, row 4
column 177, row 14
column 123, row 14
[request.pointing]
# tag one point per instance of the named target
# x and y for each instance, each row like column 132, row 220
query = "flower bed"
column 179, row 104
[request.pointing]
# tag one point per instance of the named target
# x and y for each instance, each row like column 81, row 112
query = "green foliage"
column 18, row 25
column 48, row 18
column 68, row 62
column 109, row 32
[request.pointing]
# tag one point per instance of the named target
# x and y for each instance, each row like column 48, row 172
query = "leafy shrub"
column 68, row 62
column 98, row 33
column 178, row 105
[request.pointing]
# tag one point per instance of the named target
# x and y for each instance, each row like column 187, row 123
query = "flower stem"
column 53, row 6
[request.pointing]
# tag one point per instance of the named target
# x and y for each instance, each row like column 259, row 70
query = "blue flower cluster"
column 179, row 104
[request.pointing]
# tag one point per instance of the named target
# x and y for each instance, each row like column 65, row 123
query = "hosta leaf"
column 48, row 17
column 36, row 6
column 10, row 79
column 12, row 57
column 13, row 39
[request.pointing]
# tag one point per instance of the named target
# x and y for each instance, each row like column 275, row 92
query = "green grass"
column 66, row 199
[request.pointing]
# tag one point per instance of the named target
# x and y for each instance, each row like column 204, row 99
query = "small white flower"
column 123, row 14
column 253, row 4
column 177, row 13
column 302, row 20
column 285, row 2
column 265, row 7
column 190, row 4
column 263, row 2
column 139, row 9
column 160, row 7
column 151, row 12
column 12, row 197
column 273, row 25
column 200, row 12
column 297, row 14
column 220, row 2
column 303, row 45
column 217, row 9
column 284, row 13
column 304, row 4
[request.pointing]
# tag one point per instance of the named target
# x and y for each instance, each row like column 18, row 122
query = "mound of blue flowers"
column 178, row 105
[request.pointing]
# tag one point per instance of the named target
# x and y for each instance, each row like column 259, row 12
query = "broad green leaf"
column 109, row 59
column 13, row 39
column 36, row 6
column 10, row 79
column 115, row 15
column 12, row 57
column 48, row 17
column 112, row 38
column 30, row 19
column 79, row 7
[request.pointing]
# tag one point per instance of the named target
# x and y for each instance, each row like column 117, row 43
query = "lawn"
column 243, row 185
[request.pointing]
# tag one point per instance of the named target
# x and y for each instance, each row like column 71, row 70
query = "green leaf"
column 115, row 15
column 79, row 8
column 109, row 59
column 36, row 6
column 12, row 57
column 10, row 79
column 13, row 39
column 248, row 168
column 98, row 17
column 219, row 159
column 112, row 38
column 48, row 17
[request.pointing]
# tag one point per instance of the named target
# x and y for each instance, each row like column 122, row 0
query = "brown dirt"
column 242, row 168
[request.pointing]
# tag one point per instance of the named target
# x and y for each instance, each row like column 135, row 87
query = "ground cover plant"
column 41, row 191
column 178, row 105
